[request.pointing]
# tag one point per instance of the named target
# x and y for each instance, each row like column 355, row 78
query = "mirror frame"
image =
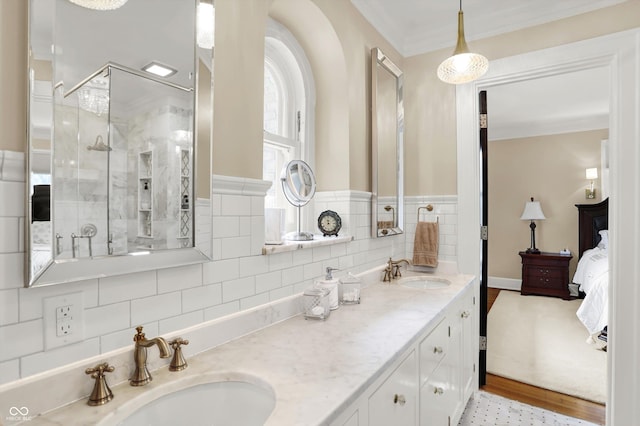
column 380, row 61
column 58, row 271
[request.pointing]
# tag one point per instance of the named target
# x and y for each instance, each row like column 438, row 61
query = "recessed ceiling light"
column 159, row 69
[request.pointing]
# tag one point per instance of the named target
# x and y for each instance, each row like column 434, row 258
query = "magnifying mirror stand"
column 299, row 235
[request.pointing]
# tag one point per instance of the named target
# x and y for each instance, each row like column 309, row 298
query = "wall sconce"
column 532, row 211
column 590, row 192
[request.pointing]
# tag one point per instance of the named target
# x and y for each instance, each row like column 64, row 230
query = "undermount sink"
column 424, row 282
column 213, row 403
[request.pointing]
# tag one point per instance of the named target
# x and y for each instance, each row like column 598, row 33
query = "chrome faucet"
column 141, row 376
column 392, row 270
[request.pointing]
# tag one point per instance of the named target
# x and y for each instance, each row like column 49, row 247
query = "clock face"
column 329, row 222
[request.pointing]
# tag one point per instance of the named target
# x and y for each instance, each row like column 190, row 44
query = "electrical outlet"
column 63, row 320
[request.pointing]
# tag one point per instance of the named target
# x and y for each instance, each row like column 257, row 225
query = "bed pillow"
column 604, row 239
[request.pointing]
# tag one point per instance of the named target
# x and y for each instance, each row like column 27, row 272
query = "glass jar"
column 316, row 304
column 350, row 286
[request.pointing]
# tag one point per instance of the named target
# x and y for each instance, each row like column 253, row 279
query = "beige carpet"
column 540, row 341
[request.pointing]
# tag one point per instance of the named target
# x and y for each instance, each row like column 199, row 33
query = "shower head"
column 99, row 145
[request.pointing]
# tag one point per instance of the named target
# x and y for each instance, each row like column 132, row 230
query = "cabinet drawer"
column 542, row 273
column 437, row 397
column 433, row 349
column 395, row 402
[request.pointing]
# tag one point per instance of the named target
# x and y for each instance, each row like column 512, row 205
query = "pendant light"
column 463, row 66
column 100, row 4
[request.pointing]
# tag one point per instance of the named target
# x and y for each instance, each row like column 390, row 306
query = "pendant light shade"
column 100, row 4
column 463, row 66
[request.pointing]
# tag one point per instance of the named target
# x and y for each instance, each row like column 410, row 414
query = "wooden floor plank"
column 539, row 397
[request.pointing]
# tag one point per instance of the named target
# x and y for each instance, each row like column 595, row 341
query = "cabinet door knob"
column 399, row 399
column 465, row 314
column 437, row 349
column 438, row 390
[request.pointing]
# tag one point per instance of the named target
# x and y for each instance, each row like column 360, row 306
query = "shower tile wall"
column 148, row 133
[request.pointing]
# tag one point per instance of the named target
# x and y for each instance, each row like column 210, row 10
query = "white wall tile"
column 253, row 265
column 269, row 281
column 31, row 298
column 43, row 361
column 293, row 275
column 235, row 247
column 172, row 279
column 257, row 300
column 238, row 289
column 221, row 310
column 20, row 339
column 9, row 303
column 12, row 195
column 281, row 292
column 220, row 270
column 201, row 297
column 180, row 322
column 156, row 307
column 117, row 340
column 118, row 315
column 280, row 261
column 9, row 371
column 11, row 270
column 235, row 205
column 244, row 226
column 226, row 227
column 10, row 231
column 127, row 287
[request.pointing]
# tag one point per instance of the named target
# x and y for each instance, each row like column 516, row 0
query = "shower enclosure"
column 122, row 165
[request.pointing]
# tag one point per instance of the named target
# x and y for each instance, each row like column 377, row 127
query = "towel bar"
column 428, row 208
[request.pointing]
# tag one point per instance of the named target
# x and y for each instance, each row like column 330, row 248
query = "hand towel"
column 425, row 245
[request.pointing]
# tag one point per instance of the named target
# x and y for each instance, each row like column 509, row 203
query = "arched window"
column 288, row 112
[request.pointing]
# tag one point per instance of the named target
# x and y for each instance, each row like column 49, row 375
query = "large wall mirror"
column 112, row 165
column 387, row 137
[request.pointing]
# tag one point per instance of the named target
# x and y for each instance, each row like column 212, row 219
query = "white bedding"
column 592, row 274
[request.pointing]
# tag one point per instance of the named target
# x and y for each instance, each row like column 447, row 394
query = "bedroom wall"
column 552, row 170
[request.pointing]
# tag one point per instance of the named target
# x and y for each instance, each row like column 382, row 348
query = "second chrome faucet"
column 141, row 375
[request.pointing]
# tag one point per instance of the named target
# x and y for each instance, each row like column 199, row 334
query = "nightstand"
column 545, row 274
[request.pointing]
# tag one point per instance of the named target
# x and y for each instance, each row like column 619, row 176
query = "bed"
column 592, row 272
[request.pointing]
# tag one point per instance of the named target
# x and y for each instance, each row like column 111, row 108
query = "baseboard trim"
column 504, row 283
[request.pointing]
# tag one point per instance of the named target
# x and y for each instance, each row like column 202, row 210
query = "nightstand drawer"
column 545, row 274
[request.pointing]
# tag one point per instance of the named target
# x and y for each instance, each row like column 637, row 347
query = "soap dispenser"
column 331, row 284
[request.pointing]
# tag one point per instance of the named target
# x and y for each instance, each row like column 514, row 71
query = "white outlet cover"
column 49, row 306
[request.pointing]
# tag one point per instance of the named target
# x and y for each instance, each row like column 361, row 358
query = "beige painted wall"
column 552, row 170
column 13, row 75
column 338, row 45
column 430, row 104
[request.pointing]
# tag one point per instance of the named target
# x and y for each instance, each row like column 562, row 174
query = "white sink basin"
column 215, row 403
column 424, row 282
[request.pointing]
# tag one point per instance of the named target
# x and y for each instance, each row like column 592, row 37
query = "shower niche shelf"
column 184, row 228
column 145, row 194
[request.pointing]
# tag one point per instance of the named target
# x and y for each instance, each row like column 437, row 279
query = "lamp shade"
column 592, row 173
column 532, row 211
column 463, row 66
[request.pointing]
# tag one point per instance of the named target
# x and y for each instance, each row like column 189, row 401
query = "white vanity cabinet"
column 432, row 381
column 395, row 402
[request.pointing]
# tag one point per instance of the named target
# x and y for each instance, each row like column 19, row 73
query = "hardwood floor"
column 539, row 397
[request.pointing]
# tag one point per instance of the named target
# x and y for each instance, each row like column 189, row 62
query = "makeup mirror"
column 299, row 187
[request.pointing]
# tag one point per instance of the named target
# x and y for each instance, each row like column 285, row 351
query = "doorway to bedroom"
column 541, row 146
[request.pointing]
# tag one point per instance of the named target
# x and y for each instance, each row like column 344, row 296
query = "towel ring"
column 428, row 208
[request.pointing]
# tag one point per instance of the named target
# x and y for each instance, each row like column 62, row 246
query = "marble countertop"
column 315, row 368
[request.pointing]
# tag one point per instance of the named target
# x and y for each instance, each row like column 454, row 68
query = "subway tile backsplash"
column 167, row 300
